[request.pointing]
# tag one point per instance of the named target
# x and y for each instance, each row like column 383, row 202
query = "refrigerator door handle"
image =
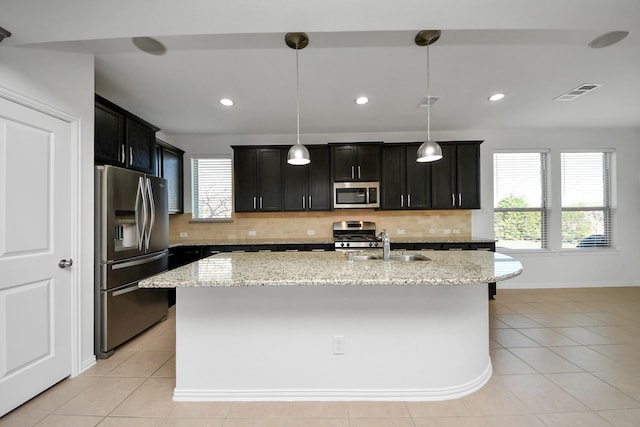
column 141, row 199
column 135, row 262
column 152, row 211
column 126, row 290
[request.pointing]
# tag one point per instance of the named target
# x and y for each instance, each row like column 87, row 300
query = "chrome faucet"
column 386, row 245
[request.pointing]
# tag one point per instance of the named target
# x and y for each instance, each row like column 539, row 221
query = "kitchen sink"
column 395, row 257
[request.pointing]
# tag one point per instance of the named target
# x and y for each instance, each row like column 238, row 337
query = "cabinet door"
column 468, row 176
column 109, row 136
column 270, row 179
column 171, row 162
column 392, row 185
column 368, row 167
column 418, row 186
column 245, row 173
column 443, row 189
column 319, row 184
column 344, row 162
column 140, row 146
column 295, row 186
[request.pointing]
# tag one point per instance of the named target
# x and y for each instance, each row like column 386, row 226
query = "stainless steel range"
column 355, row 235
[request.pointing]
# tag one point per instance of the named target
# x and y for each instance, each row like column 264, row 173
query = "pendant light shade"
column 298, row 153
column 429, row 151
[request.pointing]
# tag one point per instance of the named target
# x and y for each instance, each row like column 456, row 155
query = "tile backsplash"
column 293, row 226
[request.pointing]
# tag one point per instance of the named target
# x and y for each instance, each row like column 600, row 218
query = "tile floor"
column 561, row 357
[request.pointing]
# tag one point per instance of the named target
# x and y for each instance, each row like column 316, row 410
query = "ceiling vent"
column 428, row 101
column 579, row 91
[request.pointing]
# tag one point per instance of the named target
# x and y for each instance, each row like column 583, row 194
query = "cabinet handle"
column 302, row 202
column 260, row 202
column 359, row 175
column 353, row 172
column 453, row 199
column 459, row 199
column 254, row 203
column 309, row 202
column 408, row 200
column 402, row 200
column 130, row 155
column 123, row 158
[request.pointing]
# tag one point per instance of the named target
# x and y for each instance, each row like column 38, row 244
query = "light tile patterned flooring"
column 561, row 357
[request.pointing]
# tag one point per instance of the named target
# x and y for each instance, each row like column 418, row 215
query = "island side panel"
column 276, row 342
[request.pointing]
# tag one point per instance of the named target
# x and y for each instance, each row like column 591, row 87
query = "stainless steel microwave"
column 356, row 195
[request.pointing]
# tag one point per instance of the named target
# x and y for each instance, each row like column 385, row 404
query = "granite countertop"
column 333, row 268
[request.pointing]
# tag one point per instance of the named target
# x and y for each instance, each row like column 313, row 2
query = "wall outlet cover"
column 184, row 234
column 400, row 231
column 311, row 232
column 252, row 232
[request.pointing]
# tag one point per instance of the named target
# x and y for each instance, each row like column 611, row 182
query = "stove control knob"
column 370, row 244
column 342, row 244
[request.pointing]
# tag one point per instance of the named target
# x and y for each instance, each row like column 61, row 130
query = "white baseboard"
column 390, row 395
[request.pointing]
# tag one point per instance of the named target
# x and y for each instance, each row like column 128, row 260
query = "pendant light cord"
column 428, row 99
column 298, row 93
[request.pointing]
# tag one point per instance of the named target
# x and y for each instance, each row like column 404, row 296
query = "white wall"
column 550, row 268
column 65, row 81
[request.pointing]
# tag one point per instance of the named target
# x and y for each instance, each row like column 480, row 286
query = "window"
column 520, row 199
column 587, row 215
column 211, row 183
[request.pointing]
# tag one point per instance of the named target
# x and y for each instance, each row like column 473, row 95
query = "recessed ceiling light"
column 496, row 97
column 226, row 102
column 361, row 100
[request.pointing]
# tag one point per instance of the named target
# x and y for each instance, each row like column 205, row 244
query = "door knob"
column 65, row 263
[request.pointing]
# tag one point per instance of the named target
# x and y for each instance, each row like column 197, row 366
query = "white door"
column 35, row 230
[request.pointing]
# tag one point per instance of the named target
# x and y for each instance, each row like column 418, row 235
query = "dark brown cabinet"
column 308, row 187
column 405, row 183
column 123, row 139
column 455, row 179
column 356, row 162
column 257, row 174
column 170, row 167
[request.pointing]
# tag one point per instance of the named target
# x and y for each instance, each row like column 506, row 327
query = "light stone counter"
column 315, row 326
column 333, row 268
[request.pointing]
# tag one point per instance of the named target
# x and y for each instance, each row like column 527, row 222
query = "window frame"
column 608, row 208
column 545, row 205
column 195, row 186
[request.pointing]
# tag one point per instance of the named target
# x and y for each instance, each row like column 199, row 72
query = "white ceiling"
column 532, row 51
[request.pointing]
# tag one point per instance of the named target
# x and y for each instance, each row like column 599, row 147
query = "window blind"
column 520, row 199
column 586, row 188
column 212, row 188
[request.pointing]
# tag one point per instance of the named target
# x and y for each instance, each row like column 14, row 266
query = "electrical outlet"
column 456, row 231
column 252, row 232
column 311, row 232
column 432, row 231
column 339, row 343
column 400, row 231
column 447, row 231
column 184, row 234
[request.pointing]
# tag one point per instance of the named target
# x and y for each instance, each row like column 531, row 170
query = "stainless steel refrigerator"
column 132, row 239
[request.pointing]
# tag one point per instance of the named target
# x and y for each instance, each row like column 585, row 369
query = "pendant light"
column 429, row 151
column 298, row 153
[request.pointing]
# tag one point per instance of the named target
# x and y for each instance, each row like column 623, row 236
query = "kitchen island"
column 317, row 326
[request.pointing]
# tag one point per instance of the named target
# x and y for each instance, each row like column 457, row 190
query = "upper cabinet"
column 308, row 187
column 122, row 139
column 257, row 174
column 170, row 166
column 356, row 162
column 405, row 183
column 455, row 179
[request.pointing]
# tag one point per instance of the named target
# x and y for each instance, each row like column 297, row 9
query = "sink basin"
column 395, row 257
